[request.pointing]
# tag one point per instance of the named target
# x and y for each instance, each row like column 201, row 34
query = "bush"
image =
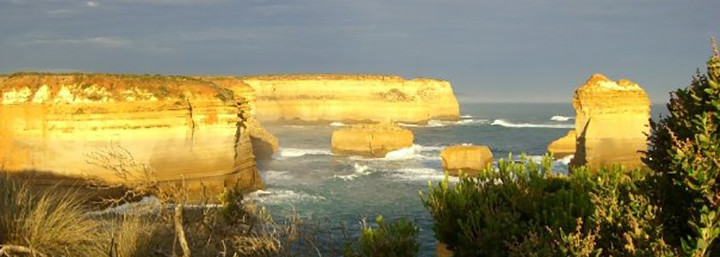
column 395, row 239
column 684, row 149
column 521, row 209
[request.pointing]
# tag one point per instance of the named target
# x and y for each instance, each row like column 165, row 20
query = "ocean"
column 306, row 178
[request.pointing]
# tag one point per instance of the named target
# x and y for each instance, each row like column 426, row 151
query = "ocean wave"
column 439, row 123
column 561, row 118
column 466, row 116
column 282, row 196
column 272, row 176
column 529, row 125
column 338, row 124
column 422, row 174
column 297, row 152
column 358, row 170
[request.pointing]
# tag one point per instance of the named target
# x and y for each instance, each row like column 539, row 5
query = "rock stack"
column 465, row 159
column 374, row 140
column 611, row 123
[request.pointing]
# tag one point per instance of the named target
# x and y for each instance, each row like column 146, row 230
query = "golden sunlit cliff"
column 318, row 98
column 611, row 122
column 182, row 128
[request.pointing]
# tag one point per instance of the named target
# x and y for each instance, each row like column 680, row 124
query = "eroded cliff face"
column 182, row 128
column 612, row 119
column 265, row 144
column 352, row 98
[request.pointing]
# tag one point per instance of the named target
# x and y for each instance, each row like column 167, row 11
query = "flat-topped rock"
column 563, row 146
column 374, row 140
column 182, row 128
column 323, row 98
column 611, row 123
column 465, row 159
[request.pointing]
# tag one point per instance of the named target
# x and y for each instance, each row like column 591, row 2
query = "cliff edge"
column 322, row 98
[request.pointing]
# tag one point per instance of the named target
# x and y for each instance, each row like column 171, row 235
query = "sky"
column 490, row 50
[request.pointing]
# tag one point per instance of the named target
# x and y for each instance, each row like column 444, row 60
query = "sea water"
column 306, row 178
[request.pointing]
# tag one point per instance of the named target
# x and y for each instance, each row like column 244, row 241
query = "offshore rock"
column 563, row 146
column 323, row 98
column 371, row 140
column 185, row 130
column 465, row 159
column 611, row 122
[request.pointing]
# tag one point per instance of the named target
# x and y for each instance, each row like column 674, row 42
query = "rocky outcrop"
column 265, row 144
column 322, row 98
column 184, row 129
column 371, row 140
column 611, row 122
column 563, row 146
column 465, row 159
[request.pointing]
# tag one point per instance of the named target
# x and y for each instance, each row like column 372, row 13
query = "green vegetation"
column 670, row 209
column 395, row 239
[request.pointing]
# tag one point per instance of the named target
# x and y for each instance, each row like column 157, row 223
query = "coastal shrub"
column 397, row 238
column 46, row 222
column 684, row 150
column 523, row 209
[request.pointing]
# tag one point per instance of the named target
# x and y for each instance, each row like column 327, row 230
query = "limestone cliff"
column 371, row 140
column 563, row 146
column 264, row 143
column 352, row 98
column 183, row 128
column 611, row 122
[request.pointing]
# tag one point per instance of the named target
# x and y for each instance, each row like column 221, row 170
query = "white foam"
column 529, row 125
column 420, row 174
column 271, row 176
column 358, row 170
column 439, row 123
column 566, row 160
column 338, row 124
column 466, row 116
column 282, row 196
column 561, row 118
column 297, row 152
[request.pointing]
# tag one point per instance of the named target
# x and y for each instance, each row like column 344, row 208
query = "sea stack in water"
column 349, row 98
column 465, row 159
column 563, row 146
column 374, row 140
column 611, row 122
column 183, row 129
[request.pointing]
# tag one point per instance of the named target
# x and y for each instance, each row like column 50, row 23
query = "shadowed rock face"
column 371, row 140
column 322, row 98
column 613, row 118
column 468, row 159
column 182, row 128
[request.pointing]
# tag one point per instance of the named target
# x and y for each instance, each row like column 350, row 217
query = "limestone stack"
column 374, row 140
column 182, row 128
column 611, row 122
column 468, row 159
column 323, row 98
column 563, row 146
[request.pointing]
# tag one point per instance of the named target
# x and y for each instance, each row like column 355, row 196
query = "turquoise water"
column 305, row 177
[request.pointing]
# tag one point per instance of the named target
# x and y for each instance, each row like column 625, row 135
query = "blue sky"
column 491, row 50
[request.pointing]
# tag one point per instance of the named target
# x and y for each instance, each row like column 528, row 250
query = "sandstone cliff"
column 183, row 128
column 371, row 140
column 611, row 122
column 264, row 143
column 563, row 146
column 352, row 98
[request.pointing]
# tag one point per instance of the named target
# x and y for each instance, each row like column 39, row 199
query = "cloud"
column 109, row 42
